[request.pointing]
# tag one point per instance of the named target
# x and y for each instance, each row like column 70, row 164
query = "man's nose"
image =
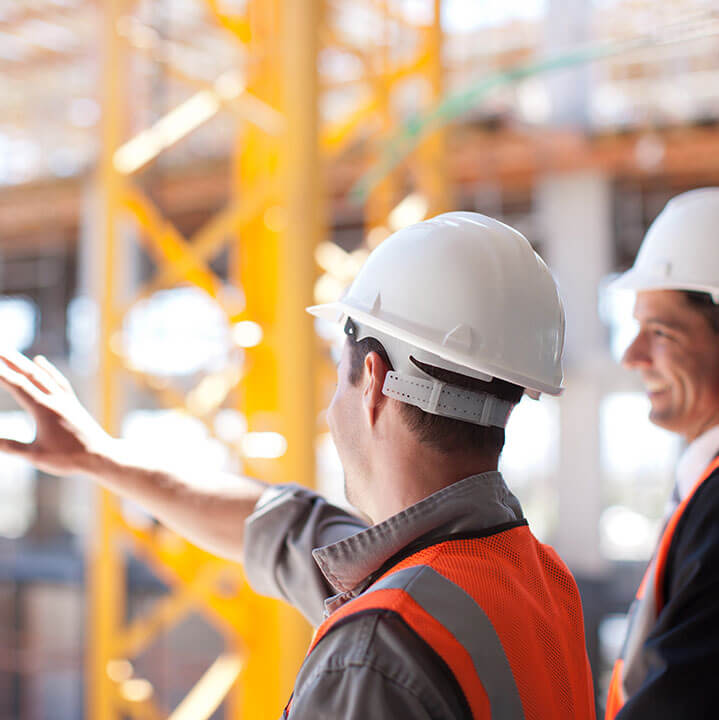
column 637, row 354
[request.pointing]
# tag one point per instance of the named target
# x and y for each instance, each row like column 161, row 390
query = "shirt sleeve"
column 287, row 524
column 375, row 667
column 357, row 693
column 682, row 651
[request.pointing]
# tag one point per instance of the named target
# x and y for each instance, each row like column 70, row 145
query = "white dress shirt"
column 695, row 460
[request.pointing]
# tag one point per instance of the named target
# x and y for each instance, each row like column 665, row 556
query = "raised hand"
column 67, row 438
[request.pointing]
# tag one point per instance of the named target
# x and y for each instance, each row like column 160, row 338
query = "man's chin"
column 665, row 419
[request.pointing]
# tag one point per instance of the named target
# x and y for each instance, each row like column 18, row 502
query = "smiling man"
column 668, row 665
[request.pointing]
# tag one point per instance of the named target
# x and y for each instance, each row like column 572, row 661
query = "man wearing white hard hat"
column 444, row 606
column 668, row 665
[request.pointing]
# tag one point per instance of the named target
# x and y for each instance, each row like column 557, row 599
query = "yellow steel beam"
column 170, row 398
column 338, row 135
column 167, row 245
column 179, row 563
column 276, row 218
column 388, row 12
column 333, row 37
column 431, row 155
column 210, row 239
column 178, row 123
column 211, row 689
column 253, row 266
column 384, row 196
column 139, row 709
column 167, row 611
column 238, row 25
column 303, row 189
column 105, row 576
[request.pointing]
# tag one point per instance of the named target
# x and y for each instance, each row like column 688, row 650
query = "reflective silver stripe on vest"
column 641, row 619
column 458, row 612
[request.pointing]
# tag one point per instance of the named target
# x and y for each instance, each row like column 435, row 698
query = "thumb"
column 14, row 447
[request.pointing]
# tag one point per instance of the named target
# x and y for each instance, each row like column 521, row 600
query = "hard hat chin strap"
column 438, row 398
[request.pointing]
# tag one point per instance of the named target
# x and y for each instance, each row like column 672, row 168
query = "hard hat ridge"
column 680, row 251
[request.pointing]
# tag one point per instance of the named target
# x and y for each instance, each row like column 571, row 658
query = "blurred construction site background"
column 180, row 178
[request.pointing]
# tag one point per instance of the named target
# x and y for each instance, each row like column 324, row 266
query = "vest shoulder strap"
column 453, row 624
column 668, row 535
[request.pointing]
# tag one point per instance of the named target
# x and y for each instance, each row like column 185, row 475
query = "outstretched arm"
column 209, row 512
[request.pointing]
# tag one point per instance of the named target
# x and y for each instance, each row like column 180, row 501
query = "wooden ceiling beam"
column 510, row 159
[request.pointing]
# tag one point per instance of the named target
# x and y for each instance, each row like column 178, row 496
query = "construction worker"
column 667, row 667
column 445, row 606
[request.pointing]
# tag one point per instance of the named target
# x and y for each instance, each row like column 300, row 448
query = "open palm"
column 67, row 437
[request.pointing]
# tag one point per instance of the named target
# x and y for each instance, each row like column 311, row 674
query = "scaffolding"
column 273, row 224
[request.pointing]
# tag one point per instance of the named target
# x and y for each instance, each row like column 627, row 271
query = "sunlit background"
column 573, row 121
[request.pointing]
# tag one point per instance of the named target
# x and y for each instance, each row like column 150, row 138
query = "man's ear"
column 375, row 369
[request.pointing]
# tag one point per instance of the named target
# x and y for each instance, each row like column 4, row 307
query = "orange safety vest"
column 646, row 607
column 503, row 612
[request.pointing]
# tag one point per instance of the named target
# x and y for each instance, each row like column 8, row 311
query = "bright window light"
column 178, row 440
column 268, row 445
column 631, row 446
column 83, row 330
column 247, row 333
column 459, row 16
column 330, row 474
column 77, row 508
column 530, row 460
column 331, row 258
column 17, row 479
column 328, row 289
column 177, row 332
column 637, row 461
column 616, row 309
column 626, row 534
column 411, row 210
column 18, row 319
column 83, row 112
column 230, row 425
column 178, row 123
column 176, row 437
column 612, row 631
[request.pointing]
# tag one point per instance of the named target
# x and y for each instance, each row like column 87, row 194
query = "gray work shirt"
column 317, row 556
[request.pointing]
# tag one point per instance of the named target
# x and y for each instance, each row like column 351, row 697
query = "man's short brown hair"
column 445, row 434
column 703, row 302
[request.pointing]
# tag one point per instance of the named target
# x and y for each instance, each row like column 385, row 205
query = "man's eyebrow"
column 671, row 324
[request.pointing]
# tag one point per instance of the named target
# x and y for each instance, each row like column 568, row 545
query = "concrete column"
column 90, row 281
column 567, row 26
column 575, row 215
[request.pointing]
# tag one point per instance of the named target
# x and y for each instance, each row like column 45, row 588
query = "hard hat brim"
column 333, row 312
column 636, row 281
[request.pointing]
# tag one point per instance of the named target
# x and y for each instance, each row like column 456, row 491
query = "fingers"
column 14, row 447
column 27, row 393
column 54, row 374
column 20, row 364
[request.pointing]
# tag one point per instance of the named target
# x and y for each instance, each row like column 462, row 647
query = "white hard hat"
column 461, row 292
column 681, row 248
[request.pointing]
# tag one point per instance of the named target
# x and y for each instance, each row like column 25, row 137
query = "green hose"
column 411, row 132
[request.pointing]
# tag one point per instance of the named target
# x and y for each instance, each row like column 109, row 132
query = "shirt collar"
column 695, row 460
column 474, row 504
